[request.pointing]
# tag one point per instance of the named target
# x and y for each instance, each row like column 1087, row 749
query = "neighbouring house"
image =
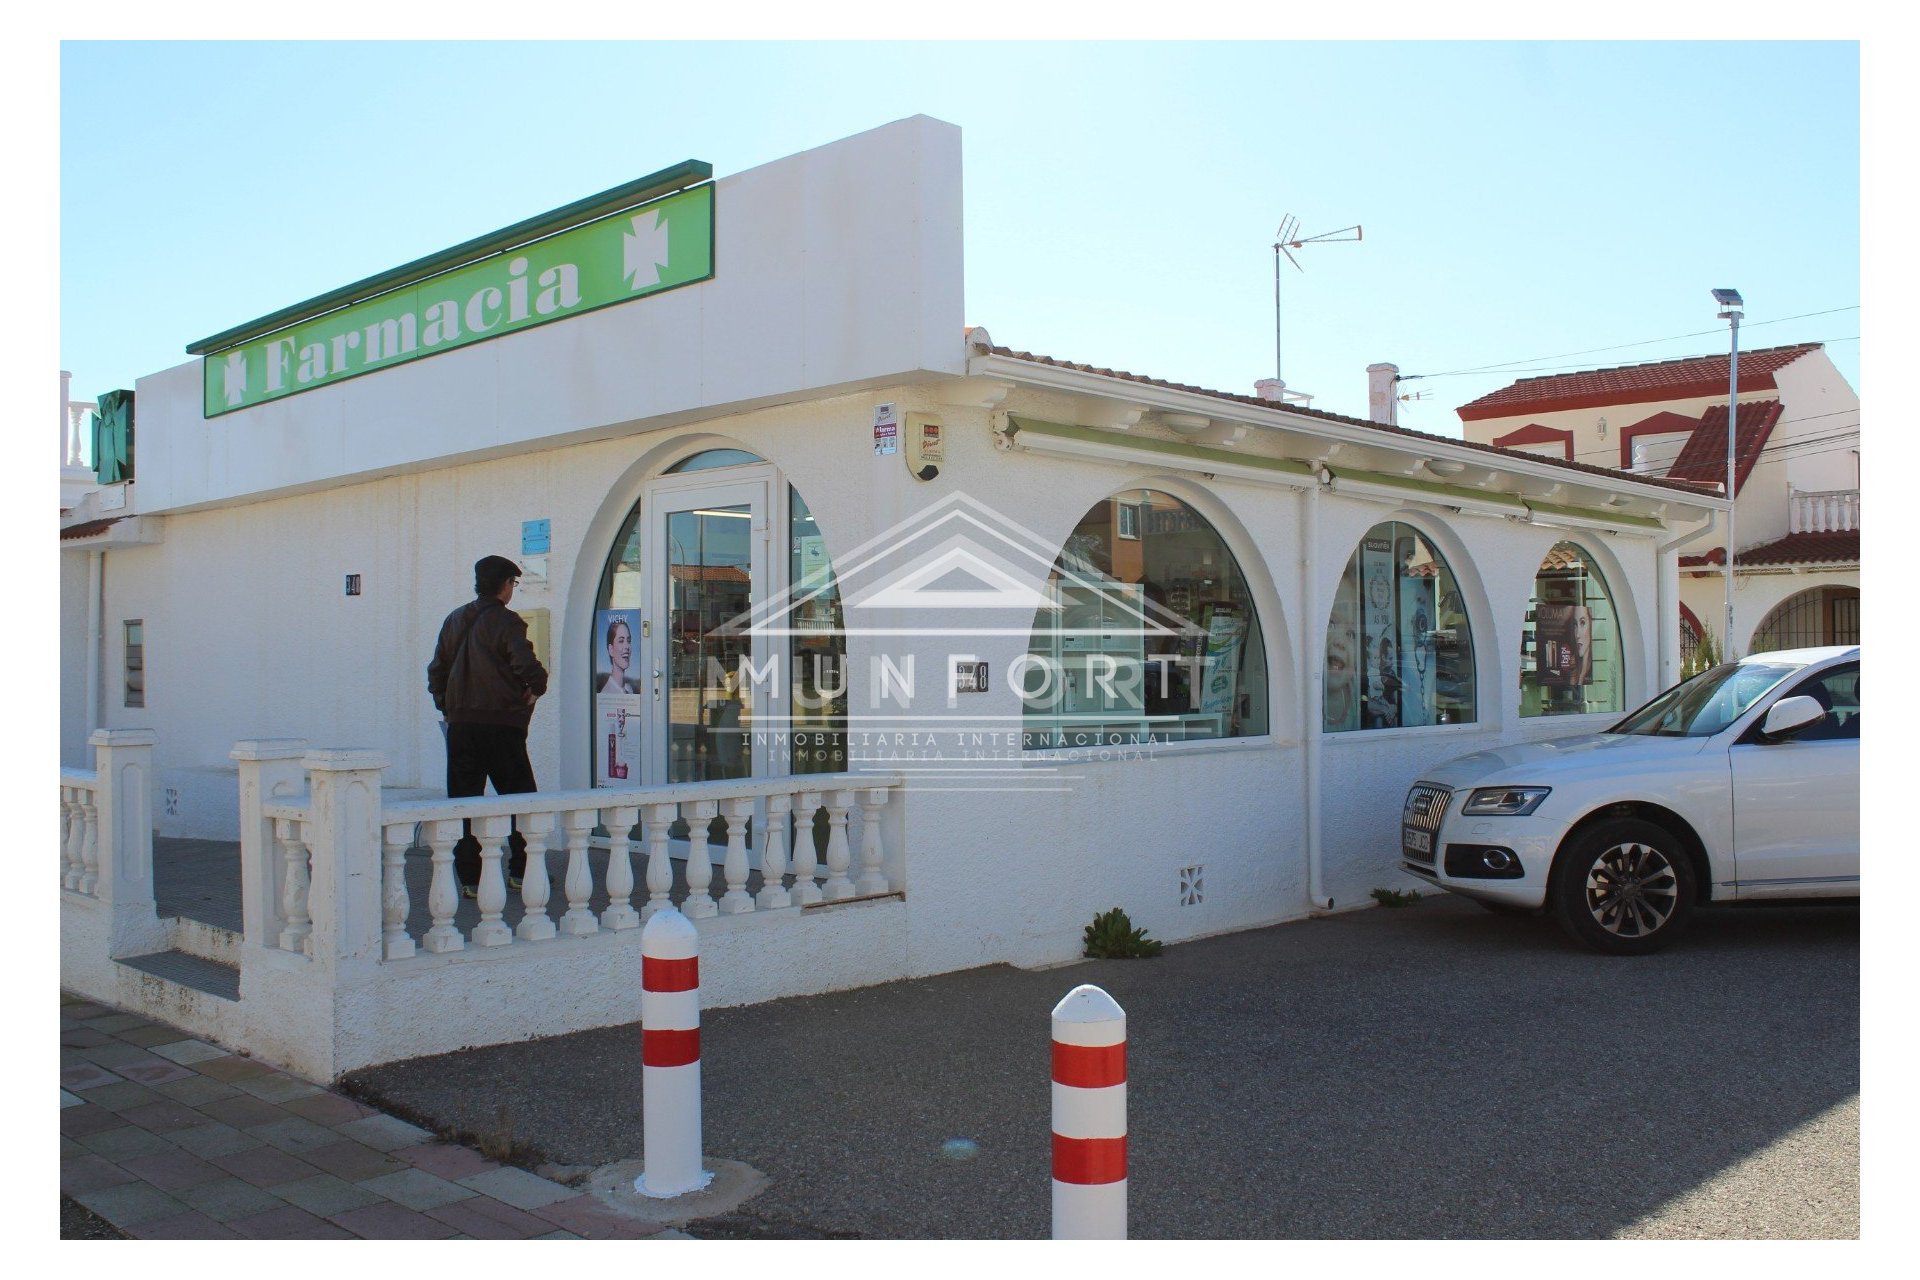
column 879, row 648
column 1796, row 478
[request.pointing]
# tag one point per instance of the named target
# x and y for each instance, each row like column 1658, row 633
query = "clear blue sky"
column 1519, row 200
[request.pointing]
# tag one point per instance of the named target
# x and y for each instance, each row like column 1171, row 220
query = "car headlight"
column 1504, row 802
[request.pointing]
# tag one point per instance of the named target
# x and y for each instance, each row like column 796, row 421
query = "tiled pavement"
column 170, row 1138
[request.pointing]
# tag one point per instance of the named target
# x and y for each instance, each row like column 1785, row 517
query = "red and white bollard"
column 1089, row 1117
column 670, row 1057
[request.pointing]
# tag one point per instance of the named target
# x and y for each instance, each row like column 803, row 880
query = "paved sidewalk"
column 167, row 1137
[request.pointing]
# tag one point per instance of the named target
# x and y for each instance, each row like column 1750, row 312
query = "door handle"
column 656, row 682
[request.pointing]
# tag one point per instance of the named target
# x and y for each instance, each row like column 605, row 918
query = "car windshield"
column 1708, row 703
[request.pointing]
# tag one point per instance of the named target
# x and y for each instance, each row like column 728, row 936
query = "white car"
column 1742, row 783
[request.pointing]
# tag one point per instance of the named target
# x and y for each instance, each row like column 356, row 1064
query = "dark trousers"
column 476, row 755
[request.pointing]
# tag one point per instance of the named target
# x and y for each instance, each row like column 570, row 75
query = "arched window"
column 709, row 459
column 1399, row 651
column 1570, row 650
column 1809, row 619
column 1149, row 633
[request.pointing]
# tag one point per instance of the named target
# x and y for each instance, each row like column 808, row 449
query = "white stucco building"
column 816, row 501
column 1796, row 477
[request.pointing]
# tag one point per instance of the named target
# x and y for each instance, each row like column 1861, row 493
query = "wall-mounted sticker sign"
column 536, row 537
column 886, row 429
column 969, row 677
column 618, row 258
column 925, row 448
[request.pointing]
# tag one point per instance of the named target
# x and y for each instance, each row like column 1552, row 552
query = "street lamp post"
column 1730, row 304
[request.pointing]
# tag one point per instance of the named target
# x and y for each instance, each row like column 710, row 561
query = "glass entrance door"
column 710, row 543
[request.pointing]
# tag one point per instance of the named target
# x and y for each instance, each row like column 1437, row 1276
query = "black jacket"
column 483, row 667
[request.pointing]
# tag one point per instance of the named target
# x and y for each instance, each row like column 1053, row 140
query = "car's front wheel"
column 1624, row 887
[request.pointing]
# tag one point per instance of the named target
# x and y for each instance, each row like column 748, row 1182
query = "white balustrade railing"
column 79, row 831
column 74, row 437
column 763, row 818
column 1831, row 511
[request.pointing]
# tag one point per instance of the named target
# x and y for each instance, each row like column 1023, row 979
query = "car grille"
column 1425, row 807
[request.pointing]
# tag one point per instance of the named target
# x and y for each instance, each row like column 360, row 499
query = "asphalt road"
column 1428, row 1072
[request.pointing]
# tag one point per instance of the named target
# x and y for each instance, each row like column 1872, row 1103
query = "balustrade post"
column 269, row 769
column 873, row 874
column 806, row 862
column 838, row 886
column 535, row 887
column 773, row 854
column 73, row 829
column 736, row 869
column 295, row 884
column 89, row 842
column 492, row 833
column 394, row 942
column 699, row 904
column 579, row 921
column 620, row 913
column 443, row 895
column 343, row 833
column 123, row 803
column 659, row 860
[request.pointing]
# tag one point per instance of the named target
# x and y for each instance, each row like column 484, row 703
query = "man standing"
column 484, row 680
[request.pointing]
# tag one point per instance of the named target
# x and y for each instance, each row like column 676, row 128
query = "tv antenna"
column 1285, row 240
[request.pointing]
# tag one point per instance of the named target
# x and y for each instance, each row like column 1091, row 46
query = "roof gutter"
column 1058, row 378
column 1666, row 596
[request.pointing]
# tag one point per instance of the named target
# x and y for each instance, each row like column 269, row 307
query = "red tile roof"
column 1703, row 459
column 89, row 529
column 1608, row 472
column 1634, row 383
column 1795, row 548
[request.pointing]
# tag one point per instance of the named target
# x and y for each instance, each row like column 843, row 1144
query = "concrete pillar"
column 343, row 833
column 123, row 760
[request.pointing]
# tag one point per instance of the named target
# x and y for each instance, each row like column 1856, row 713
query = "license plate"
column 1420, row 842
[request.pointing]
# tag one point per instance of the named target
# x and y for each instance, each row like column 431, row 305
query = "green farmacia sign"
column 627, row 255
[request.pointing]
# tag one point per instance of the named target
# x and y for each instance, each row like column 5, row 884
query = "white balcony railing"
column 761, row 818
column 1830, row 511
column 351, row 903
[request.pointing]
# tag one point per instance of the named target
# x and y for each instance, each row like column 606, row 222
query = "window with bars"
column 1814, row 617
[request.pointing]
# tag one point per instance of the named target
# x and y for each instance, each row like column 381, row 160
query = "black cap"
column 490, row 573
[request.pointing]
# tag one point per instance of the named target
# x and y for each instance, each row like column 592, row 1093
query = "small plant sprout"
column 1112, row 936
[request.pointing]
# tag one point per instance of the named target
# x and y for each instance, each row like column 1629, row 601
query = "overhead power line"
column 1515, row 366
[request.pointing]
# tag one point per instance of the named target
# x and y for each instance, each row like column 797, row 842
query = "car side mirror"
column 1790, row 715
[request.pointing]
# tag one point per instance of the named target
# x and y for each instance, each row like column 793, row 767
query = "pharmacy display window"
column 1570, row 651
column 1399, row 651
column 1149, row 634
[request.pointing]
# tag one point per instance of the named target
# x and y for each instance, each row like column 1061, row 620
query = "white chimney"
column 1271, row 389
column 1383, row 396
